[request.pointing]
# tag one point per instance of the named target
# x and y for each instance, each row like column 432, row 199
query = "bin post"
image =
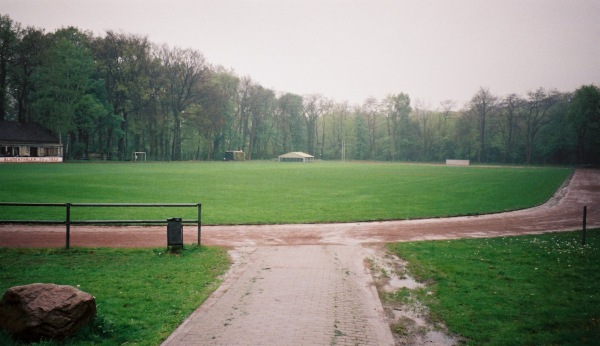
column 174, row 232
column 68, row 225
column 199, row 222
column 584, row 226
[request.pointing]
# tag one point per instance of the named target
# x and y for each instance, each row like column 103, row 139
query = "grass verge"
column 526, row 290
column 142, row 295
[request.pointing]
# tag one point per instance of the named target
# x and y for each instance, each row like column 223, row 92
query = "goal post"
column 139, row 156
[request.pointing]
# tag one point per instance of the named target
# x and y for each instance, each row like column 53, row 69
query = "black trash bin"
column 174, row 232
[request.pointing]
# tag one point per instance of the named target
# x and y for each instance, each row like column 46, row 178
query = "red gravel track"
column 561, row 213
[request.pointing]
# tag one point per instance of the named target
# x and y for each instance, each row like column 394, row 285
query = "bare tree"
column 327, row 105
column 422, row 114
column 262, row 104
column 510, row 110
column 397, row 108
column 537, row 115
column 242, row 118
column 185, row 70
column 290, row 122
column 482, row 106
column 340, row 114
column 314, row 106
column 126, row 66
column 371, row 109
column 446, row 107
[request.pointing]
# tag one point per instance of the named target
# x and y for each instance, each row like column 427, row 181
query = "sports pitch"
column 271, row 193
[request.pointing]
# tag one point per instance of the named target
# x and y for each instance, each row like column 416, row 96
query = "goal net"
column 139, row 156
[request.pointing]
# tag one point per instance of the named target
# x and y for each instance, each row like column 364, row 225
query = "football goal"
column 139, row 156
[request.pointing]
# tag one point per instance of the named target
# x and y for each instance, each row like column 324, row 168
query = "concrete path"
column 291, row 295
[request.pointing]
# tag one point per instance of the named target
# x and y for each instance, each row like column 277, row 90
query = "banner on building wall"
column 30, row 159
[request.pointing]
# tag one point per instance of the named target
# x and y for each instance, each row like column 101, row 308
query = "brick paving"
column 291, row 295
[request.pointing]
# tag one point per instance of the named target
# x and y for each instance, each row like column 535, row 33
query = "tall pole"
column 583, row 231
column 68, row 225
column 199, row 221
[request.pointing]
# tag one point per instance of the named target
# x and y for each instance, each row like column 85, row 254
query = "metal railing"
column 68, row 221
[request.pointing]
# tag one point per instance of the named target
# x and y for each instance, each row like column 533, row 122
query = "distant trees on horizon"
column 120, row 93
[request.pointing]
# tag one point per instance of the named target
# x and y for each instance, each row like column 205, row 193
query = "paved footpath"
column 291, row 295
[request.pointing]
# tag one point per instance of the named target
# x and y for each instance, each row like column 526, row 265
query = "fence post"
column 68, row 224
column 199, row 221
column 583, row 229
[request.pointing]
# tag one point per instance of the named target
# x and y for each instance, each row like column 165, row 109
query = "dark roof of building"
column 12, row 132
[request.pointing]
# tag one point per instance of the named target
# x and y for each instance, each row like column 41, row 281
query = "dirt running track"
column 561, row 213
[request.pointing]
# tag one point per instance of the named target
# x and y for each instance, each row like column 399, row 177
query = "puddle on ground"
column 395, row 283
column 409, row 322
column 390, row 270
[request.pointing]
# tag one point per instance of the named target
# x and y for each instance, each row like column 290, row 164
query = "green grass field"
column 134, row 288
column 271, row 192
column 142, row 295
column 526, row 290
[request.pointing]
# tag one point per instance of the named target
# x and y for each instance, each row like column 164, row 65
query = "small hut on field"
column 296, row 156
column 28, row 142
column 234, row 155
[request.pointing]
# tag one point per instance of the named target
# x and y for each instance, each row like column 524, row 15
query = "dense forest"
column 107, row 97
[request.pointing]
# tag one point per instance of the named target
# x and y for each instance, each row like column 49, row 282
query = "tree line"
column 109, row 96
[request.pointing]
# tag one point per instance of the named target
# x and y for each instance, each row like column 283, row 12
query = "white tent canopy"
column 296, row 156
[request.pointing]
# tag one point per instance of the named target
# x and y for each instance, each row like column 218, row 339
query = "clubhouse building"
column 28, row 142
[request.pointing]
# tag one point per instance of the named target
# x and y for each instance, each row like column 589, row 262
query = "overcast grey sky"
column 348, row 50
